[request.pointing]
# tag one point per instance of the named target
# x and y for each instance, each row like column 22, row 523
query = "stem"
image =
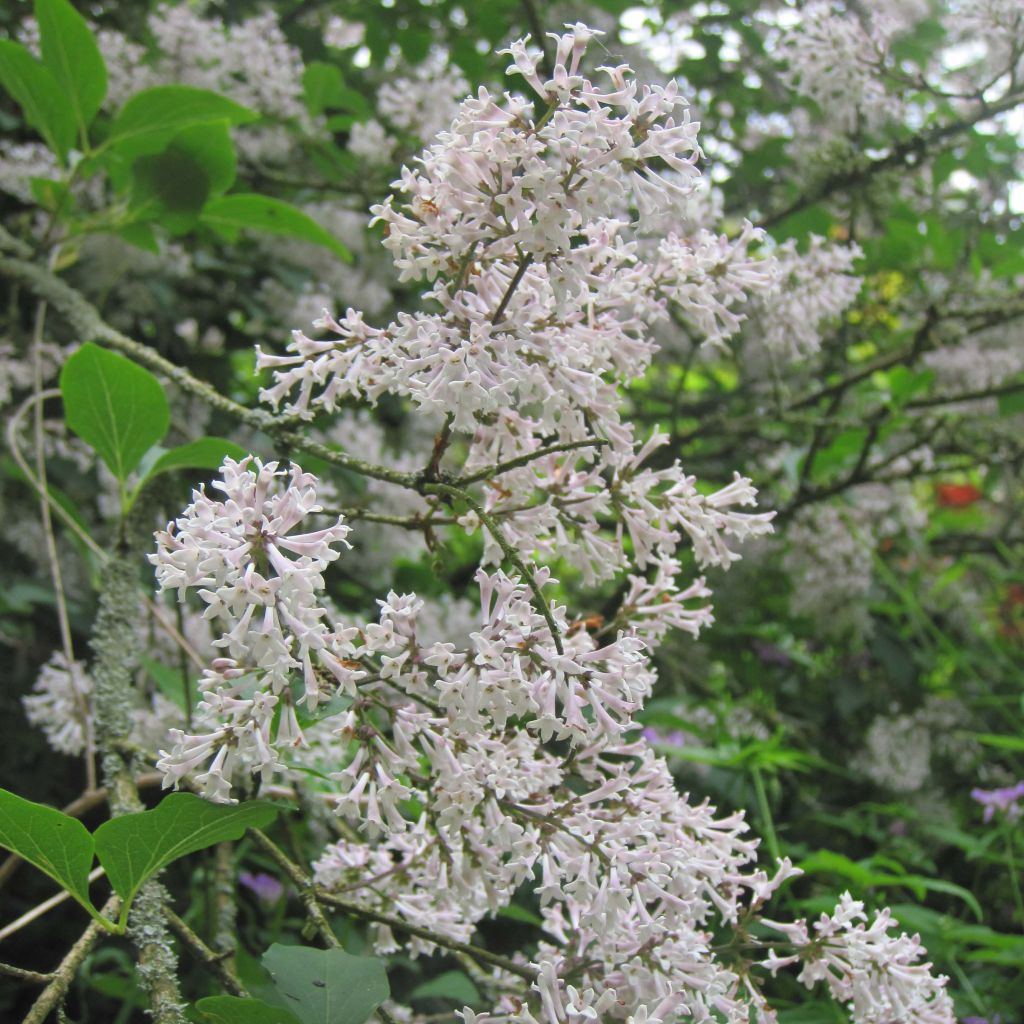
column 508, row 551
column 1011, row 862
column 524, row 460
column 524, row 262
column 115, row 644
column 306, row 890
column 216, row 963
column 765, row 812
column 53, row 557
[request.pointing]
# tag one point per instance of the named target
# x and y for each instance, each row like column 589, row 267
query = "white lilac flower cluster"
column 811, row 288
column 879, row 976
column 416, row 106
column 61, row 706
column 837, row 60
column 510, row 757
column 529, row 228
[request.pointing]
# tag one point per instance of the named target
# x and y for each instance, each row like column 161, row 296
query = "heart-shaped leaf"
column 114, row 405
column 327, row 986
column 135, row 847
column 54, row 842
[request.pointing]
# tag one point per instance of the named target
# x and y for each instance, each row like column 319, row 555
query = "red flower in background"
column 957, row 495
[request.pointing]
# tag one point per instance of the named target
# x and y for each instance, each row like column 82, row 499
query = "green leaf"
column 327, row 986
column 40, row 97
column 73, row 58
column 274, row 216
column 451, row 985
column 140, row 235
column 135, row 847
column 322, row 86
column 54, row 842
column 49, row 194
column 1012, row 402
column 991, row 739
column 114, row 405
column 173, row 185
column 232, row 1010
column 205, row 453
column 514, row 912
column 151, row 118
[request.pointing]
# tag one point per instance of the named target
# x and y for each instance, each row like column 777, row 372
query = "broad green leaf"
column 173, row 185
column 947, row 887
column 451, row 985
column 135, row 847
column 114, row 405
column 73, row 58
column 233, row 1010
column 327, row 986
column 40, row 97
column 204, row 453
column 231, row 214
column 151, row 118
column 54, row 842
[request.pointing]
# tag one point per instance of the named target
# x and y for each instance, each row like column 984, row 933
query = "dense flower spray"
column 467, row 767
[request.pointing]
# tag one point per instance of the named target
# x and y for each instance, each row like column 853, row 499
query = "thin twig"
column 524, row 460
column 43, row 908
column 21, row 974
column 63, row 976
column 216, row 963
column 56, row 574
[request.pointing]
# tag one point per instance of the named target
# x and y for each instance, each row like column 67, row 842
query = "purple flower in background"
column 1004, row 800
column 770, row 654
column 677, row 738
column 267, row 888
column 981, row 1020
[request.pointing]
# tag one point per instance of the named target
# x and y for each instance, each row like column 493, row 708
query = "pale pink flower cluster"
column 530, row 230
column 879, row 976
column 811, row 288
column 262, row 584
column 836, row 60
column 511, row 757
